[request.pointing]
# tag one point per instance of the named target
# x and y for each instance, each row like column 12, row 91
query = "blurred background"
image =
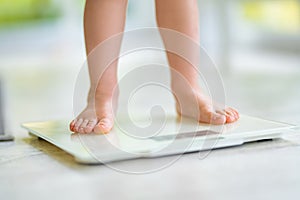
column 255, row 44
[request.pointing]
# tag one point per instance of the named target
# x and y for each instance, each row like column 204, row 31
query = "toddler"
column 106, row 18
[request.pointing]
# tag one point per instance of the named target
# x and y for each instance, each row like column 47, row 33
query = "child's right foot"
column 96, row 117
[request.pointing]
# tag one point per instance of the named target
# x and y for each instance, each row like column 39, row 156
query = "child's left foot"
column 192, row 103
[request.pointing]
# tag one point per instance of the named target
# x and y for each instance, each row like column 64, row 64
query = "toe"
column 104, row 126
column 217, row 118
column 77, row 125
column 231, row 115
column 83, row 126
column 90, row 126
column 72, row 125
column 212, row 118
column 237, row 115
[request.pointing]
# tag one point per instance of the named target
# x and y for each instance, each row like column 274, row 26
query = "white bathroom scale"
column 160, row 136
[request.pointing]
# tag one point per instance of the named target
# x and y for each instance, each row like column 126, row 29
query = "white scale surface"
column 164, row 137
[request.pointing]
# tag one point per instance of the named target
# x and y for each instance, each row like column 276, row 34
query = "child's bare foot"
column 194, row 104
column 96, row 117
column 99, row 25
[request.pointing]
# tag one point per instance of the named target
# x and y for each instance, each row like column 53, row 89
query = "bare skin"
column 182, row 16
column 100, row 24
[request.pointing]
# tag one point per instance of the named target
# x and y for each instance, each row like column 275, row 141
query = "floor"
column 39, row 66
column 33, row 169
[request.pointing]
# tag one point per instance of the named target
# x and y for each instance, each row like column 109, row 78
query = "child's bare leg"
column 182, row 16
column 102, row 19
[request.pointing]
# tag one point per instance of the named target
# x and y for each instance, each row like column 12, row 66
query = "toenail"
column 104, row 125
column 104, row 122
